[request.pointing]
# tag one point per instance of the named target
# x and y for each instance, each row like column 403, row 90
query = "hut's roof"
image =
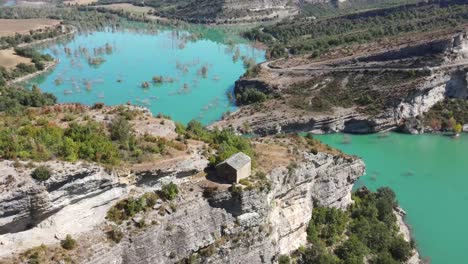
column 238, row 160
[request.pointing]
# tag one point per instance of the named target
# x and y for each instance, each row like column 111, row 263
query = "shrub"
column 284, row 259
column 120, row 129
column 384, row 258
column 318, row 254
column 115, row 234
column 68, row 243
column 327, row 224
column 14, row 100
column 41, row 173
column 352, row 250
column 400, row 249
column 250, row 96
column 127, row 208
column 169, row 191
column 458, row 128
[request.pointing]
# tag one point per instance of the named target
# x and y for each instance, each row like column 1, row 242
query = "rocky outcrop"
column 405, row 231
column 217, row 226
column 74, row 200
column 248, row 226
column 25, row 203
column 397, row 88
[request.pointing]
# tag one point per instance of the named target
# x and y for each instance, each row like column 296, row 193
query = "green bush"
column 68, row 243
column 284, row 259
column 327, row 224
column 121, row 130
column 318, row 254
column 250, row 96
column 352, row 250
column 400, row 249
column 384, row 258
column 169, row 191
column 128, row 208
column 41, row 173
column 14, row 100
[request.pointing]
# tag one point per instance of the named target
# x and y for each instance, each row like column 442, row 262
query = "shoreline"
column 50, row 65
column 40, row 41
column 24, row 78
column 405, row 230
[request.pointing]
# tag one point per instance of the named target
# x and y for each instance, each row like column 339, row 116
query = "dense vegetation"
column 334, row 8
column 448, row 114
column 47, row 141
column 367, row 228
column 226, row 142
column 35, row 133
column 315, row 36
column 15, row 100
column 38, row 60
column 249, row 96
column 13, row 41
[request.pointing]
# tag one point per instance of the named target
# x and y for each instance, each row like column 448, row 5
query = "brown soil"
column 9, row 59
column 9, row 27
column 270, row 156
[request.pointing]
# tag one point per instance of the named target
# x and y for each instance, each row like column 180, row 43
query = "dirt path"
column 313, row 67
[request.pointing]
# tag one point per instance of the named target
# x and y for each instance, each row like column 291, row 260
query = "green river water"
column 429, row 174
column 136, row 57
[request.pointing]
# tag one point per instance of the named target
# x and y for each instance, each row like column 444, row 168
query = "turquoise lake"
column 429, row 174
column 199, row 71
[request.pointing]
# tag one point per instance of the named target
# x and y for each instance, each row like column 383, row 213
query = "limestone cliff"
column 250, row 226
column 215, row 224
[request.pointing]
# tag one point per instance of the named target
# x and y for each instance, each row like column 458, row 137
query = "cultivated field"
column 9, row 27
column 9, row 59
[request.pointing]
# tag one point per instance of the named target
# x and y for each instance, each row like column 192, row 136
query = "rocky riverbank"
column 387, row 90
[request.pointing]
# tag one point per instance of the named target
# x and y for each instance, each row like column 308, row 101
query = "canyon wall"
column 439, row 68
column 222, row 226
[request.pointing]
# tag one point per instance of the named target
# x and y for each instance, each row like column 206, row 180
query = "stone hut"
column 235, row 168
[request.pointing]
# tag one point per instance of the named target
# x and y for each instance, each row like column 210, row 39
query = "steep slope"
column 365, row 93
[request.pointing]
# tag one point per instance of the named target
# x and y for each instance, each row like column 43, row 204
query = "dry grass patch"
column 127, row 7
column 9, row 27
column 270, row 156
column 9, row 59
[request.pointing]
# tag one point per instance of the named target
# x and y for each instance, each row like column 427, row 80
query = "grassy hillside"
column 316, row 36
